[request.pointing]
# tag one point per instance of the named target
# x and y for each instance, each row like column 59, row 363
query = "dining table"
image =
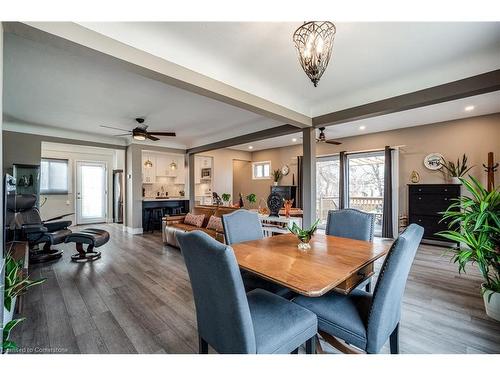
column 332, row 263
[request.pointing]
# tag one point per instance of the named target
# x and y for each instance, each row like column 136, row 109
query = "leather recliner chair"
column 36, row 231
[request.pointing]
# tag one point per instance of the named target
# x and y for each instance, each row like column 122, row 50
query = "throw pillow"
column 196, row 220
column 215, row 223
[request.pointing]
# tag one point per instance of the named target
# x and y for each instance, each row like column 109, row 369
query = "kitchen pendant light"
column 148, row 164
column 173, row 165
column 314, row 43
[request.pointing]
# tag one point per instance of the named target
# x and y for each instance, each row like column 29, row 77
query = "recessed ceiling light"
column 469, row 108
column 294, row 139
column 250, row 147
column 362, row 127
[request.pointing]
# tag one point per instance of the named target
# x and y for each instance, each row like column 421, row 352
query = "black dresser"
column 425, row 201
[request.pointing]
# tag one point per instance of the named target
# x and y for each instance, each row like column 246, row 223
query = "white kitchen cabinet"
column 148, row 174
column 180, row 178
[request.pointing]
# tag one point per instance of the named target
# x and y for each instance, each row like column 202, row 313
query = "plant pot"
column 275, row 183
column 493, row 306
column 455, row 180
column 8, row 315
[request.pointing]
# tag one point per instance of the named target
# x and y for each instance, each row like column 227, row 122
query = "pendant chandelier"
column 173, row 165
column 314, row 42
column 148, row 164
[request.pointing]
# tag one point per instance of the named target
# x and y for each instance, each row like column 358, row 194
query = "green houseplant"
column 277, row 176
column 15, row 285
column 226, row 197
column 304, row 235
column 474, row 221
column 251, row 198
column 457, row 170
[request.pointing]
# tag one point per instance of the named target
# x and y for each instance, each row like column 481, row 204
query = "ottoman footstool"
column 93, row 238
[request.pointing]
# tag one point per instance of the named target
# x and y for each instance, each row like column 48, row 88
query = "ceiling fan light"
column 314, row 43
column 139, row 137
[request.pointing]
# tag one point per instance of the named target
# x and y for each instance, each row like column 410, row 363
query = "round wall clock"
column 433, row 161
column 285, row 170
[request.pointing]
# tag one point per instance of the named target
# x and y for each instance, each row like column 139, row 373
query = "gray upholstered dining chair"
column 231, row 321
column 354, row 224
column 244, row 225
column 364, row 320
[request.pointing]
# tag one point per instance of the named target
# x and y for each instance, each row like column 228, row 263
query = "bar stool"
column 155, row 216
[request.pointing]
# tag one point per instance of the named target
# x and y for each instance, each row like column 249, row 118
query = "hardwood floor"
column 137, row 299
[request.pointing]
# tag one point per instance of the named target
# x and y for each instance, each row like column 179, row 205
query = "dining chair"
column 354, row 224
column 364, row 320
column 231, row 321
column 244, row 225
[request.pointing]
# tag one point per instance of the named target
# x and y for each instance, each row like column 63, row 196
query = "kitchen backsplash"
column 151, row 190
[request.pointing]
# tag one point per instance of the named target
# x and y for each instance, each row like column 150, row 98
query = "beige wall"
column 222, row 180
column 474, row 136
column 242, row 173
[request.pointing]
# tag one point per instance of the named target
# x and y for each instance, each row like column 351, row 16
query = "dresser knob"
column 445, row 199
column 419, row 220
column 420, row 198
column 445, row 189
column 419, row 189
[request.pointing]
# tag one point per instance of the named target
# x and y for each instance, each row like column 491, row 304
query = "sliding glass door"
column 327, row 187
column 365, row 184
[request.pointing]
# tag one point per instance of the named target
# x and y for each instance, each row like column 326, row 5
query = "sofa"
column 174, row 224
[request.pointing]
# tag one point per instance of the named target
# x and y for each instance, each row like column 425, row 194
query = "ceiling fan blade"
column 112, row 127
column 332, row 142
column 164, row 134
column 149, row 136
column 121, row 135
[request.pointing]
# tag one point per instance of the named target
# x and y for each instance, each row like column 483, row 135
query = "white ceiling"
column 44, row 86
column 370, row 61
column 483, row 104
column 58, row 92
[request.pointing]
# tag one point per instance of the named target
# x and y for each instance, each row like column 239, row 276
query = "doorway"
column 91, row 192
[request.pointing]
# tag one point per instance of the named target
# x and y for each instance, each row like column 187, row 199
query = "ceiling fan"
column 140, row 132
column 322, row 138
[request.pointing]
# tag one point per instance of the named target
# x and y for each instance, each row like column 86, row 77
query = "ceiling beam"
column 242, row 139
column 475, row 85
column 82, row 41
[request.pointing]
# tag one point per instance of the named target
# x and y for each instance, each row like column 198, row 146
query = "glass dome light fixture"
column 173, row 165
column 314, row 43
column 148, row 164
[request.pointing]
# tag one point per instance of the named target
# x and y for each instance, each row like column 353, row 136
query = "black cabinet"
column 286, row 192
column 424, row 204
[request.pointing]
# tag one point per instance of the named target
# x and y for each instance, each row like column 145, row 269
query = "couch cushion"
column 188, row 228
column 215, row 223
column 280, row 326
column 195, row 220
column 204, row 210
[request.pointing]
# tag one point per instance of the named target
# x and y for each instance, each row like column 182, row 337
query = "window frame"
column 263, row 163
column 50, row 191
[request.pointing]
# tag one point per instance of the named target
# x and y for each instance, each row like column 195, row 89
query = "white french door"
column 91, row 192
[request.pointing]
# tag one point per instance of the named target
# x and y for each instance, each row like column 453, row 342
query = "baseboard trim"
column 130, row 230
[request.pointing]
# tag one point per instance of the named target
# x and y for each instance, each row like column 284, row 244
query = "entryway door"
column 91, row 192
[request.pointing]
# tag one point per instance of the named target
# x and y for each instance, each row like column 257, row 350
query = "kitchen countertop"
column 146, row 199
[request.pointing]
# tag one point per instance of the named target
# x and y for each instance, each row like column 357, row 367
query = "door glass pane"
column 366, row 184
column 327, row 187
column 92, row 185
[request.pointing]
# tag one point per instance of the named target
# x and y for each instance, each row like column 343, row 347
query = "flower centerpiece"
column 304, row 235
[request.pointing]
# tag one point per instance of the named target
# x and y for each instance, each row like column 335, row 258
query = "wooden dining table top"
column 330, row 261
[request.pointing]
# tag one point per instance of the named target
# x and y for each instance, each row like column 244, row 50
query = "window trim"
column 257, row 163
column 55, row 191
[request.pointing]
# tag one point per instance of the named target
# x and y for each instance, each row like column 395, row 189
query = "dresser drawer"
column 429, row 204
column 431, row 224
column 452, row 190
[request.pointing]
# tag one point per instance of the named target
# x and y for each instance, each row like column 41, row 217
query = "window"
column 327, row 187
column 365, row 186
column 261, row 170
column 53, row 176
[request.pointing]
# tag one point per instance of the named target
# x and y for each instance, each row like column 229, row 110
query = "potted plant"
column 457, row 170
column 251, row 198
column 226, row 197
column 277, row 176
column 15, row 285
column 475, row 222
column 304, row 235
